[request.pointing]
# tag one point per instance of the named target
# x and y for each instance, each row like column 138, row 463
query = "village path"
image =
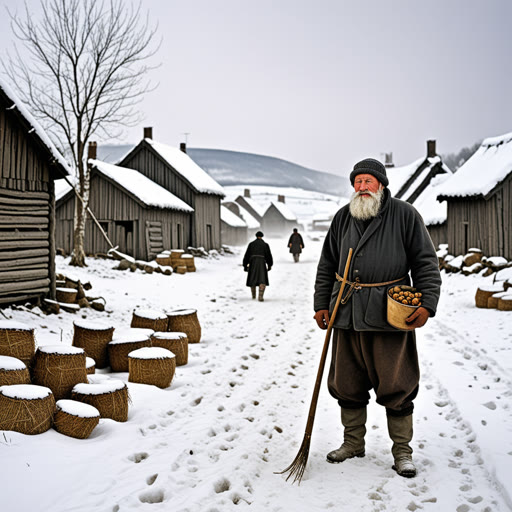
column 236, row 413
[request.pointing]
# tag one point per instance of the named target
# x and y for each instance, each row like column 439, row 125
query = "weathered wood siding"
column 438, row 234
column 205, row 227
column 26, row 201
column 233, row 235
column 274, row 224
column 485, row 224
column 134, row 228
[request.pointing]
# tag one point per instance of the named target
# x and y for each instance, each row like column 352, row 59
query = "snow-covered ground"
column 236, row 413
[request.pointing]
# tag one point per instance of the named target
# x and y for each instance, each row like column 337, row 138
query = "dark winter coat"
column 297, row 244
column 256, row 261
column 394, row 244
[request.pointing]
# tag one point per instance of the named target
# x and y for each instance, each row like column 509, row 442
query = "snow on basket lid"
column 11, row 363
column 498, row 287
column 179, row 312
column 18, row 326
column 63, row 350
column 25, row 391
column 151, row 314
column 108, row 386
column 151, row 353
column 89, row 362
column 67, row 290
column 93, row 326
column 132, row 335
column 169, row 335
column 76, row 408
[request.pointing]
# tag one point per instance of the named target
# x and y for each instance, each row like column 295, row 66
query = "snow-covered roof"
column 227, row 216
column 258, row 208
column 398, row 176
column 433, row 211
column 421, row 177
column 184, row 165
column 36, row 127
column 146, row 190
column 252, row 222
column 479, row 175
column 284, row 210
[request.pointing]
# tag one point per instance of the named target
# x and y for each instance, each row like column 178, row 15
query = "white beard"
column 365, row 208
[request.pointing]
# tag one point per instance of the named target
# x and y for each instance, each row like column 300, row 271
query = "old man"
column 391, row 246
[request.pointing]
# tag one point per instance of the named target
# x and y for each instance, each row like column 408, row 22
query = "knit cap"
column 370, row 166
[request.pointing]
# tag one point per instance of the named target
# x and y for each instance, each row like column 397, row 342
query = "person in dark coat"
column 296, row 244
column 390, row 245
column 257, row 262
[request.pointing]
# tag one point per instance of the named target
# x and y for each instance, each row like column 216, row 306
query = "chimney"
column 280, row 199
column 247, row 192
column 148, row 132
column 92, row 151
column 183, row 147
column 388, row 160
column 431, row 148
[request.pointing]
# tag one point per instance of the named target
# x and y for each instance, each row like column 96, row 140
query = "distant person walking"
column 296, row 244
column 257, row 262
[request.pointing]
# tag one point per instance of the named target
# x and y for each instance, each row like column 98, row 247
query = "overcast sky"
column 324, row 83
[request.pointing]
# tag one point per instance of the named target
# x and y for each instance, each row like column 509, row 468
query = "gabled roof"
column 135, row 184
column 398, row 176
column 257, row 208
column 283, row 210
column 252, row 222
column 481, row 174
column 227, row 216
column 34, row 127
column 433, row 211
column 198, row 179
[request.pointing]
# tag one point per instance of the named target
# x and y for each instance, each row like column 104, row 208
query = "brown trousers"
column 386, row 362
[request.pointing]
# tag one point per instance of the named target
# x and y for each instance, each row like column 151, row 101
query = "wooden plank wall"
column 207, row 212
column 438, row 234
column 26, row 192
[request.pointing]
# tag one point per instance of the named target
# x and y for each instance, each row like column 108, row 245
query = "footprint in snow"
column 138, row 457
column 490, row 405
column 152, row 496
column 150, row 480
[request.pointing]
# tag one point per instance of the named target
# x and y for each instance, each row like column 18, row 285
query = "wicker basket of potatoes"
column 402, row 301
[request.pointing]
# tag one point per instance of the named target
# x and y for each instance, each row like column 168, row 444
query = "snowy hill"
column 235, row 168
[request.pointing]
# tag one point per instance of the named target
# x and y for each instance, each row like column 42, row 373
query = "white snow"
column 89, row 362
column 150, row 314
column 251, row 222
column 77, row 408
column 488, row 166
column 131, row 335
column 149, row 192
column 25, row 391
column 11, row 363
column 491, row 287
column 66, row 290
column 64, row 350
column 35, row 124
column 227, row 216
column 169, row 335
column 284, row 210
column 181, row 312
column 15, row 326
column 498, row 261
column 433, row 211
column 93, row 326
column 185, row 166
column 236, row 413
column 151, row 353
column 398, row 176
column 107, row 386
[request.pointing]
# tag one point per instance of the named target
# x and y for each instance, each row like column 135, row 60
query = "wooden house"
column 139, row 216
column 253, row 226
column 248, row 204
column 479, row 198
column 174, row 170
column 29, row 164
column 278, row 219
column 233, row 228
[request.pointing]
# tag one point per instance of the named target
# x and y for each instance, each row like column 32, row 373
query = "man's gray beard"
column 365, row 208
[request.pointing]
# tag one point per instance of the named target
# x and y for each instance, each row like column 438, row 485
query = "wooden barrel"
column 93, row 337
column 75, row 419
column 152, row 365
column 185, row 320
column 17, row 340
column 176, row 342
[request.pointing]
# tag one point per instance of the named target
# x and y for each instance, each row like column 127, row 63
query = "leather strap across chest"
column 356, row 285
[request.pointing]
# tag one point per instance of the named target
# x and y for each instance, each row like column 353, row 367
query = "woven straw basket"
column 26, row 408
column 90, row 366
column 397, row 313
column 505, row 303
column 188, row 260
column 66, row 295
column 59, row 368
column 17, row 340
column 149, row 319
column 111, row 402
column 492, row 301
column 124, row 343
column 185, row 320
column 66, row 420
column 483, row 294
column 13, row 371
column 176, row 342
column 152, row 365
column 93, row 338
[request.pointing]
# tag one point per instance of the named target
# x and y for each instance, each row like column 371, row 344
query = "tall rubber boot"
column 261, row 292
column 400, row 431
column 354, row 423
column 253, row 291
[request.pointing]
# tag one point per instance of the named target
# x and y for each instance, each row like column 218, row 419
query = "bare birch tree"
column 82, row 72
